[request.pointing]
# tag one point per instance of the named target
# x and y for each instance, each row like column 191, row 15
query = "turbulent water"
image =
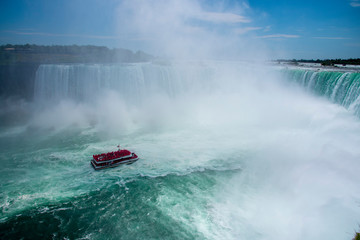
column 227, row 150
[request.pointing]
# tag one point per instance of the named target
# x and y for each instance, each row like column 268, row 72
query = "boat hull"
column 97, row 165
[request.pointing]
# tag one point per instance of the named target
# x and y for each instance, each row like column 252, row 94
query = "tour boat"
column 113, row 159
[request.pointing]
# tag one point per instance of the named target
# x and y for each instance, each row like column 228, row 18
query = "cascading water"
column 132, row 81
column 340, row 87
column 227, row 151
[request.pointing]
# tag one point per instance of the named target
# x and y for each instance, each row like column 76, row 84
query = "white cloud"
column 184, row 28
column 245, row 5
column 279, row 36
column 246, row 29
column 355, row 3
column 333, row 38
column 267, row 28
column 353, row 44
column 222, row 17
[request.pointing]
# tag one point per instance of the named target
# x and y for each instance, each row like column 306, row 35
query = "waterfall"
column 340, row 87
column 137, row 82
column 84, row 82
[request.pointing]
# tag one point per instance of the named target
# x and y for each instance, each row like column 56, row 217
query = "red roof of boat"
column 112, row 155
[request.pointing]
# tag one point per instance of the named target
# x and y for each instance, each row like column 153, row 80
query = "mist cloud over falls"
column 134, row 95
column 189, row 29
column 148, row 95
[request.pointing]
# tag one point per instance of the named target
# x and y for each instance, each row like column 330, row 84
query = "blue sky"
column 307, row 29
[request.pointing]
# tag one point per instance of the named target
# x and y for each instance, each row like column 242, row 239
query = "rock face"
column 17, row 80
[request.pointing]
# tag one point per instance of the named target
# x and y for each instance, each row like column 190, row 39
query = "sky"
column 271, row 29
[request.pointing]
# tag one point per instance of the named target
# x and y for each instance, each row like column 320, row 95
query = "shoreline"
column 318, row 66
